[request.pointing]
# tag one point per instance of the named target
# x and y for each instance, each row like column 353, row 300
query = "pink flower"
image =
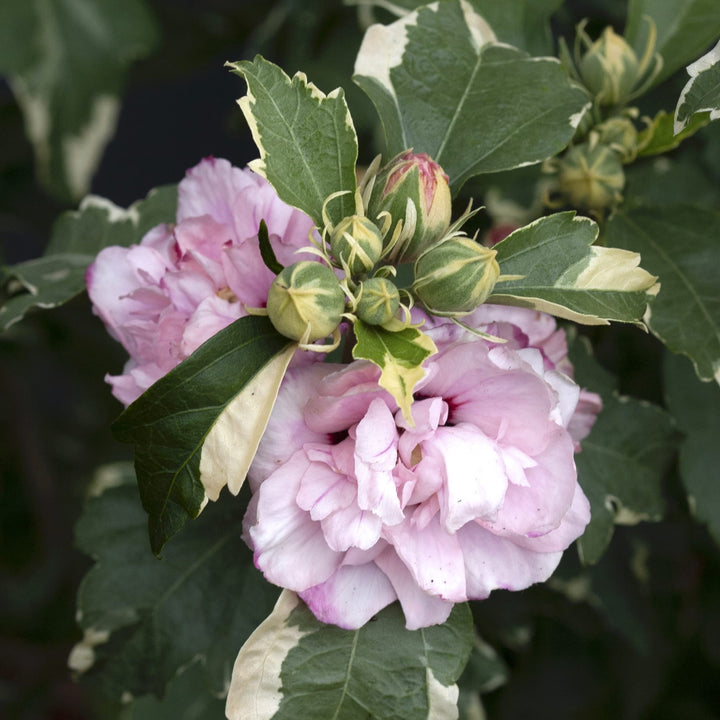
column 184, row 282
column 353, row 508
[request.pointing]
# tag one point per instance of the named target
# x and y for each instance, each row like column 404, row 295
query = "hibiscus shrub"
column 448, row 366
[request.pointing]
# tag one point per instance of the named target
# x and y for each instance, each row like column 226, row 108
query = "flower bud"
column 591, row 177
column 620, row 134
column 456, row 276
column 306, row 298
column 416, row 177
column 357, row 242
column 609, row 69
column 378, row 302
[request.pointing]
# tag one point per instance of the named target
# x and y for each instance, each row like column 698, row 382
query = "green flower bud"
column 591, row 177
column 306, row 295
column 378, row 302
column 609, row 69
column 620, row 134
column 416, row 177
column 456, row 276
column 358, row 243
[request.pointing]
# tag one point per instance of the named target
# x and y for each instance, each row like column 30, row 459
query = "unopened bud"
column 456, row 276
column 357, row 242
column 416, row 177
column 621, row 135
column 591, row 177
column 305, row 301
column 379, row 301
column 609, row 69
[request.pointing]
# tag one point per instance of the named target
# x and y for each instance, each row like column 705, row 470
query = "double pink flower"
column 354, row 508
column 184, row 282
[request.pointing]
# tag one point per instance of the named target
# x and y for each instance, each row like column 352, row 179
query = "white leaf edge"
column 233, row 440
column 704, row 63
column 255, row 685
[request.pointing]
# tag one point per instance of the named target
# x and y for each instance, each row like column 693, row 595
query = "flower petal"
column 351, row 596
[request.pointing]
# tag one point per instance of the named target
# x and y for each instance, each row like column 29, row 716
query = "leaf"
column 685, row 28
column 679, row 244
column 77, row 237
column 561, row 272
column 187, row 697
column 307, row 142
column 515, row 22
column 696, row 408
column 201, row 403
column 199, row 603
column 399, row 355
column 294, row 667
column 66, row 61
column 701, row 93
column 441, row 87
column 486, row 671
column 524, row 24
column 660, row 137
column 622, row 461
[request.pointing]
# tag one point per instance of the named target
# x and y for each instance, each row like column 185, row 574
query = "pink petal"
column 289, row 547
column 375, row 457
column 474, row 479
column 493, row 562
column 570, row 529
column 433, row 556
column 212, row 315
column 286, row 430
column 420, row 609
column 351, row 596
column 352, row 527
column 540, row 507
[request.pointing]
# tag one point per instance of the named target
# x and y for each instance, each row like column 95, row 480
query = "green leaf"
column 701, row 93
column 679, row 244
column 77, row 237
column 523, row 24
column 442, row 87
column 187, row 697
column 685, row 28
column 146, row 619
column 307, row 142
column 294, row 667
column 485, row 672
column 558, row 270
column 197, row 428
column 66, row 61
column 696, row 408
column 399, row 355
column 659, row 136
column 622, row 461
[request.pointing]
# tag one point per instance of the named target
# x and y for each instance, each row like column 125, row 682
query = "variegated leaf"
column 399, row 355
column 294, row 667
column 701, row 93
column 555, row 268
column 442, row 86
column 306, row 139
column 227, row 386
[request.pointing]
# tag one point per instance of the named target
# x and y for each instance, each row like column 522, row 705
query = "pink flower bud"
column 415, row 177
